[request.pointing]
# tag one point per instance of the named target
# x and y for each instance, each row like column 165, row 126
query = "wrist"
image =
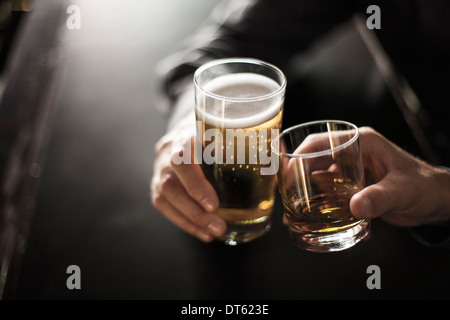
column 183, row 107
column 179, row 132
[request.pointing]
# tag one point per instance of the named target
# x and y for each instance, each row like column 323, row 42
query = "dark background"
column 92, row 206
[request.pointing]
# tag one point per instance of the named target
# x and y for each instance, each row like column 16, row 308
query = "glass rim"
column 242, row 60
column 318, row 153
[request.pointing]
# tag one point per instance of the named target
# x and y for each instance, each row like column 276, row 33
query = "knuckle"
column 181, row 152
column 197, row 192
column 198, row 232
column 176, row 156
column 372, row 134
column 157, row 199
column 167, row 182
column 373, row 137
column 197, row 218
column 368, row 131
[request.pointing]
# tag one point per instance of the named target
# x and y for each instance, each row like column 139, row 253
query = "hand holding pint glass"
column 238, row 108
column 320, row 170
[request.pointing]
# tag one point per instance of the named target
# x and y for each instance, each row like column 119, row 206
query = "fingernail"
column 204, row 236
column 215, row 228
column 208, row 205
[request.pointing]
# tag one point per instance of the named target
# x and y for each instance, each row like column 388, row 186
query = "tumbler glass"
column 320, row 170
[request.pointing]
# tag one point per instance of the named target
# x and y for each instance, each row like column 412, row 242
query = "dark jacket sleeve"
column 432, row 236
column 270, row 30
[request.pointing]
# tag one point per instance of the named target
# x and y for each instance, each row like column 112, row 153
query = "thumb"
column 376, row 199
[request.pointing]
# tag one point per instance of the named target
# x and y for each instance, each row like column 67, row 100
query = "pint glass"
column 238, row 107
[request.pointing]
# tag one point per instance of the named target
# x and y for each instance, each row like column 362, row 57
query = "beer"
column 243, row 137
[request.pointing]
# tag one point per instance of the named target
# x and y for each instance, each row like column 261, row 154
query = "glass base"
column 332, row 241
column 242, row 233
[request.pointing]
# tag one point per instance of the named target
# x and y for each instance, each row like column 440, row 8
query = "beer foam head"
column 239, row 100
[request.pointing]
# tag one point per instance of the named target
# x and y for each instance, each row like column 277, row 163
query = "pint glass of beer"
column 320, row 169
column 238, row 107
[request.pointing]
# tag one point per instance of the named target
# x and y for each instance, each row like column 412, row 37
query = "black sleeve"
column 270, row 30
column 432, row 236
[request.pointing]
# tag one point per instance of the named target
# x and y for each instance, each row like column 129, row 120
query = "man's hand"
column 405, row 191
column 181, row 191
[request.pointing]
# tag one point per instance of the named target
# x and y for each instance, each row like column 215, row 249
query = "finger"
column 401, row 220
column 192, row 177
column 299, row 170
column 317, row 142
column 376, row 154
column 175, row 193
column 378, row 199
column 196, row 185
column 177, row 218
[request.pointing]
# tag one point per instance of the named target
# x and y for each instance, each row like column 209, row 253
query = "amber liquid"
column 246, row 197
column 325, row 212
